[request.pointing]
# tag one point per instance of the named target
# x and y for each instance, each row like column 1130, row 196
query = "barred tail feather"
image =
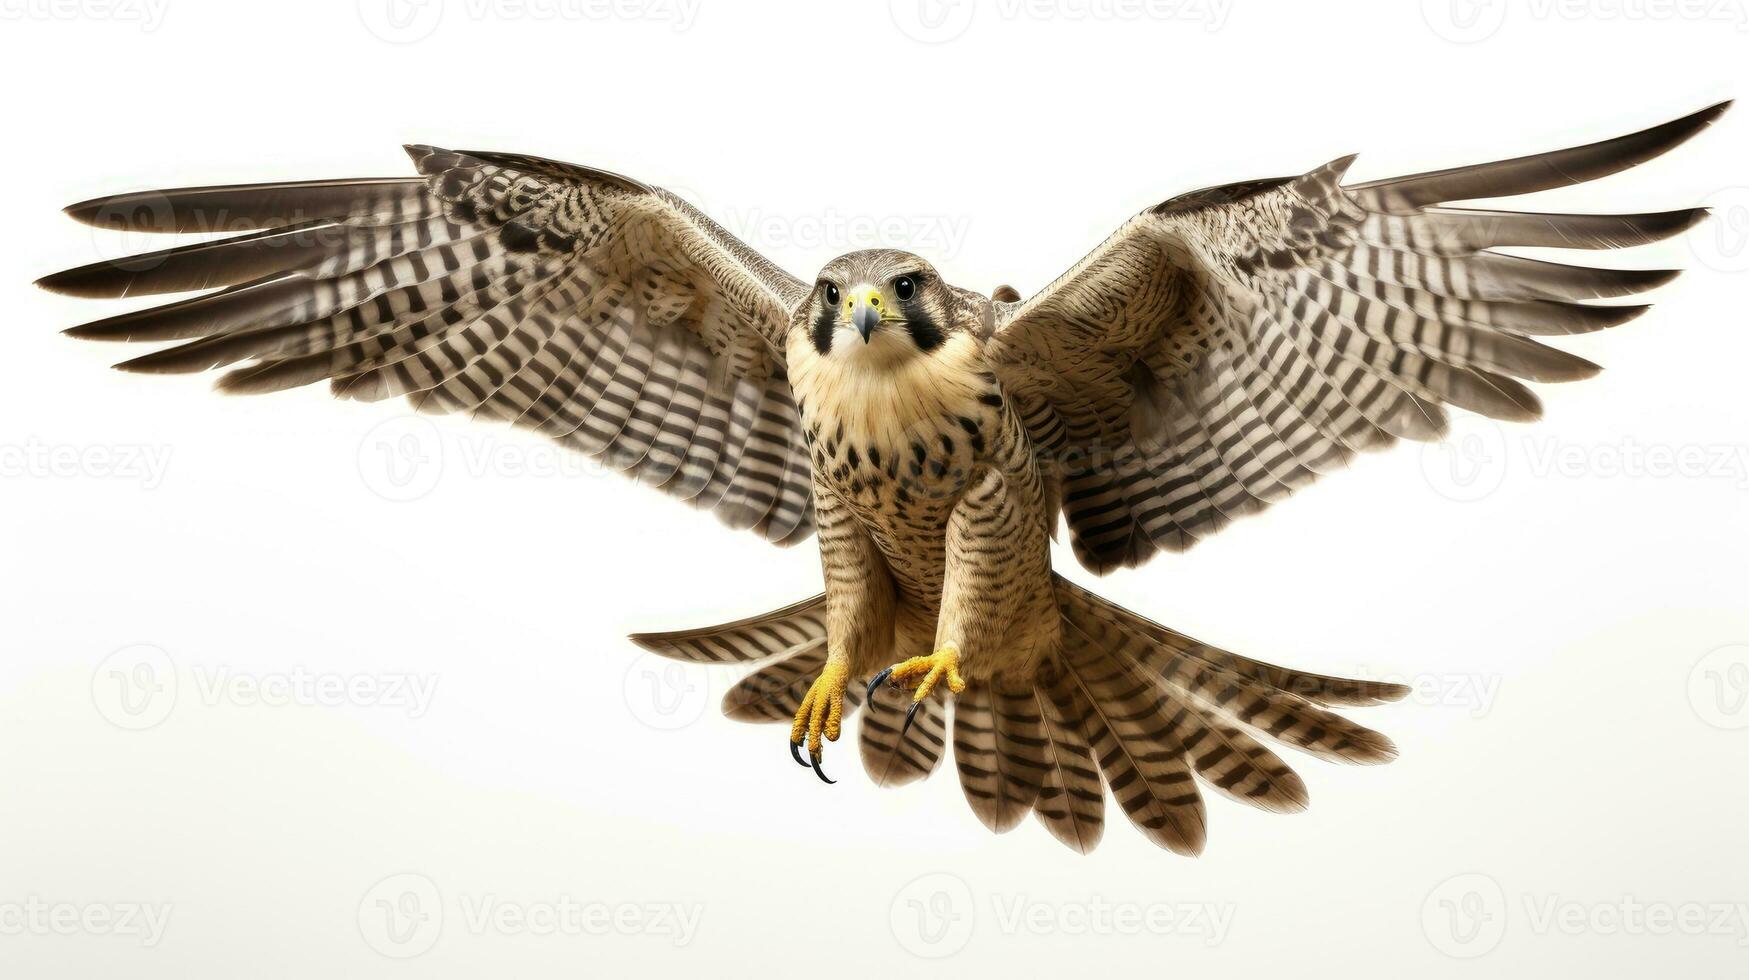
column 1124, row 703
column 999, row 749
column 894, row 761
column 1140, row 755
column 1071, row 798
column 1163, row 714
column 761, row 637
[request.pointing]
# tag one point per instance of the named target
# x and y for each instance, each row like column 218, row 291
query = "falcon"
column 1215, row 353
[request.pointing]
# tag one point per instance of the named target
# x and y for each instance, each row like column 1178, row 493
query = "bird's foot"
column 820, row 716
column 921, row 674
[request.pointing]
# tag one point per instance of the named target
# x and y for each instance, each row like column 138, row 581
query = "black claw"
column 817, row 771
column 795, row 752
column 910, row 716
column 879, row 679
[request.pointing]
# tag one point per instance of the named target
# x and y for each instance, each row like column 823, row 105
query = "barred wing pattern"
column 605, row 314
column 1224, row 348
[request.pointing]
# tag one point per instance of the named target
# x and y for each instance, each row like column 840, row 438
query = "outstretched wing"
column 610, row 316
column 1227, row 346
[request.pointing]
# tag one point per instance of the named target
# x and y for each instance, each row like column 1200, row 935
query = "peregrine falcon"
column 1212, row 355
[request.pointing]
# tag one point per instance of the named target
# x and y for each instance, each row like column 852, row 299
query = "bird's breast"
column 897, row 446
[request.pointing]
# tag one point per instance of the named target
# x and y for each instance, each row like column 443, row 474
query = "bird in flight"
column 1212, row 355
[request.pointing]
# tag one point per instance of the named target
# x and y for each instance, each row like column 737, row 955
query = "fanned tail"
column 1155, row 716
column 1124, row 703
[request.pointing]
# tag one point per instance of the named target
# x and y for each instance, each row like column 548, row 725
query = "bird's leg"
column 921, row 674
column 859, row 619
column 821, row 714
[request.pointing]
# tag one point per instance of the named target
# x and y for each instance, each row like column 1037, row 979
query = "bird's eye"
column 904, row 287
column 831, row 295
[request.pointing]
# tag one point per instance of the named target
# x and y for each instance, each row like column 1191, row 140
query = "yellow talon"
column 944, row 662
column 821, row 714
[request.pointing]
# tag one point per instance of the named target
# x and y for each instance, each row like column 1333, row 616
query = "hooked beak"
column 865, row 312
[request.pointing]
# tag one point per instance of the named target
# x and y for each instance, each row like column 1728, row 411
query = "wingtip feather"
column 1650, row 279
column 1381, row 751
column 88, row 212
column 1623, row 314
column 171, row 360
column 1385, row 692
column 653, row 642
column 133, row 366
column 82, row 282
column 1537, row 171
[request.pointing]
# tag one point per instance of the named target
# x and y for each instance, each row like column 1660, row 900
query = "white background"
column 1569, row 598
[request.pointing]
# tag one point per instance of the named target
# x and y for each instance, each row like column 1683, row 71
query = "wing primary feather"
column 248, row 207
column 1537, row 171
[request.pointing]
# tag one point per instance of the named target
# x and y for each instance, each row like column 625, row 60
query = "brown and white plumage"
column 1217, row 352
column 610, row 316
column 1225, row 347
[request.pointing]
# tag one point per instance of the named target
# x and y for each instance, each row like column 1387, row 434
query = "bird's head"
column 880, row 307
